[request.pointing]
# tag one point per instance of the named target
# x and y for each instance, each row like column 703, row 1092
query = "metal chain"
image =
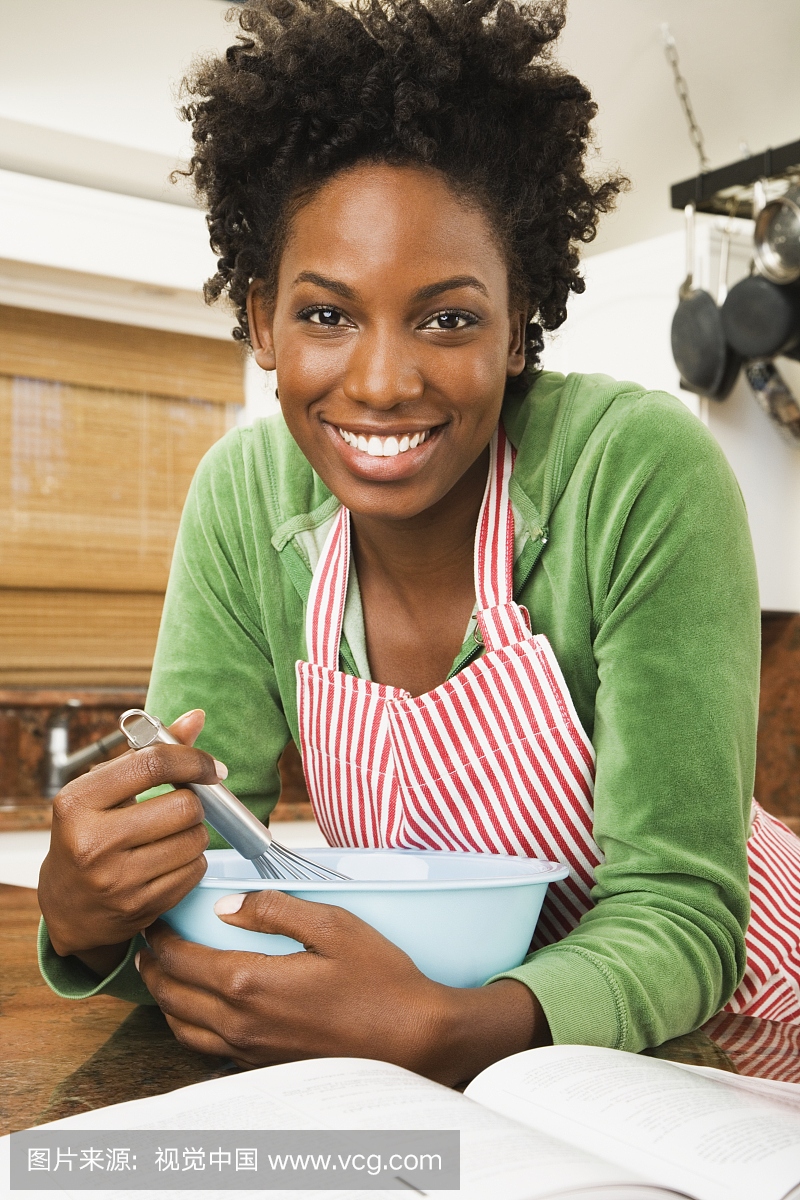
column 682, row 88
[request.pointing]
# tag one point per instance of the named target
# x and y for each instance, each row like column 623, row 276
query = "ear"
column 516, row 344
column 259, row 320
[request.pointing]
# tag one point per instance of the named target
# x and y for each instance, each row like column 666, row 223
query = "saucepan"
column 777, row 236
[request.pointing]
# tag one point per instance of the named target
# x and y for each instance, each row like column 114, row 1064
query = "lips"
column 386, row 447
column 377, row 457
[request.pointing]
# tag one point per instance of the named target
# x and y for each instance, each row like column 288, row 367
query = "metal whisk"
column 240, row 828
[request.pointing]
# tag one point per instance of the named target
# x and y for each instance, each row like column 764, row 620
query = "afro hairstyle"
column 467, row 87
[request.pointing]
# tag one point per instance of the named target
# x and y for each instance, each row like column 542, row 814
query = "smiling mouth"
column 388, row 447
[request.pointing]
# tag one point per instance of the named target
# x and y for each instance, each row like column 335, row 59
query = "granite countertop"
column 62, row 1057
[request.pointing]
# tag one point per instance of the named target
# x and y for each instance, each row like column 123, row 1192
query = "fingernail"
column 229, row 904
column 136, row 958
column 222, row 770
column 190, row 713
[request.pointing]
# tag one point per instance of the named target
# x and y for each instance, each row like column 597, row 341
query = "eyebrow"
column 330, row 285
column 451, row 285
column 425, row 293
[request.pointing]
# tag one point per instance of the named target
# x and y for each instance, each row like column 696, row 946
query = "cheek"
column 472, row 379
column 307, row 368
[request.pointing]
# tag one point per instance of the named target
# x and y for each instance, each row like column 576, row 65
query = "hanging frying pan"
column 706, row 362
column 762, row 319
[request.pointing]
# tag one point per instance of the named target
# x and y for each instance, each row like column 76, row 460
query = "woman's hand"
column 113, row 864
column 352, row 993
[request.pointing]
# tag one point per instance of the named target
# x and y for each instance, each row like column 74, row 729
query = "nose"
column 381, row 371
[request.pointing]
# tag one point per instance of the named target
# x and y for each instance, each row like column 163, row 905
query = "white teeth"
column 383, row 447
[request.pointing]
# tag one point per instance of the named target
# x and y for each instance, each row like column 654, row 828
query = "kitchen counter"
column 59, row 1056
column 62, row 1057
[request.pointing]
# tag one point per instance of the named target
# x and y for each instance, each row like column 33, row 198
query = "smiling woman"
column 425, row 360
column 499, row 611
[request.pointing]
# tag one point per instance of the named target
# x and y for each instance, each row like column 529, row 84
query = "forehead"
column 407, row 223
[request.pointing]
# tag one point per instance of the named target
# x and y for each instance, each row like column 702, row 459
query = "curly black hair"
column 467, row 87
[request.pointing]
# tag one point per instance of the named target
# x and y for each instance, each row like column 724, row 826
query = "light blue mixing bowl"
column 460, row 917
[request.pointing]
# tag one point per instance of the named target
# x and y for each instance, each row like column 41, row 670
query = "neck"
column 435, row 543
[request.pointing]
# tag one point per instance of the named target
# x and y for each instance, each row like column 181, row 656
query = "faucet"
column 61, row 766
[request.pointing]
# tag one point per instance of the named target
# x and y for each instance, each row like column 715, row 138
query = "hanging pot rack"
column 728, row 191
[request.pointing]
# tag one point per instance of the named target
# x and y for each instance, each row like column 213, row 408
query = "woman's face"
column 392, row 337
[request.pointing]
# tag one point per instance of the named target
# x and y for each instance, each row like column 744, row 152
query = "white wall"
column 259, row 393
column 101, row 233
column 108, row 71
column 739, row 58
column 71, row 249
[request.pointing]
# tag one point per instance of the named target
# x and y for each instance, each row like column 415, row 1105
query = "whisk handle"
column 223, row 811
column 232, row 819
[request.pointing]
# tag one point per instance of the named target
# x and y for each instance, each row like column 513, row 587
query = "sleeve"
column 212, row 653
column 676, row 642
column 70, row 979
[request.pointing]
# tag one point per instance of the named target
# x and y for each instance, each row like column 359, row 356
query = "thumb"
column 317, row 926
column 188, row 727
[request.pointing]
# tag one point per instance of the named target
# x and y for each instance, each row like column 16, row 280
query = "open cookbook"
column 562, row 1121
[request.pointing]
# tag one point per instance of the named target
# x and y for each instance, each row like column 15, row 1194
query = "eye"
column 322, row 314
column 450, row 318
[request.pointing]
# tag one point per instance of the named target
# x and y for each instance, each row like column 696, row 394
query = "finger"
column 319, row 927
column 190, row 963
column 157, row 859
column 160, row 895
column 232, row 976
column 124, row 777
column 204, row 1041
column 202, row 1019
column 142, row 833
column 186, row 1001
column 154, row 819
column 188, row 727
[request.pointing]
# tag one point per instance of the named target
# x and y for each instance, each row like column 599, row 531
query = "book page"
column 676, row 1127
column 499, row 1157
column 776, row 1090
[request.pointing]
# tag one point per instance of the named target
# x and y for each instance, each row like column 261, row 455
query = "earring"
column 277, row 394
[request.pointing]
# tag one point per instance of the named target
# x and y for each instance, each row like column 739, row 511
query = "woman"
column 396, row 196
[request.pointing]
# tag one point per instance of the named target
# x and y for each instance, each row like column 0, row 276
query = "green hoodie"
column 633, row 556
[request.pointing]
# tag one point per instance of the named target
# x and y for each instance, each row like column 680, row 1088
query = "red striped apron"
column 494, row 761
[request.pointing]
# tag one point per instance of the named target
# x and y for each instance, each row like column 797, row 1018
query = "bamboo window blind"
column 101, row 428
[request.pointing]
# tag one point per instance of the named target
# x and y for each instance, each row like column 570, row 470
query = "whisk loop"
column 225, row 813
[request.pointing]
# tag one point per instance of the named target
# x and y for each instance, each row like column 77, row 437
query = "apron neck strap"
column 494, row 560
column 494, row 537
column 326, row 600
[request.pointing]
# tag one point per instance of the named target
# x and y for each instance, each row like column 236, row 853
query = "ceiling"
column 88, row 90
